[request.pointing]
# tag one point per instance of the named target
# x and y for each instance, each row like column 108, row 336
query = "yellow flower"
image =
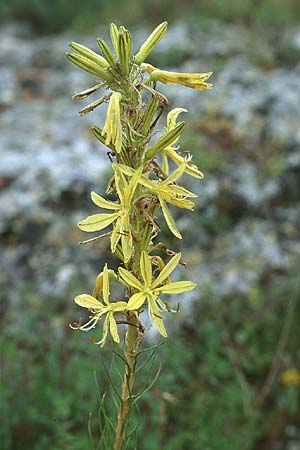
column 192, row 80
column 290, row 377
column 97, row 222
column 112, row 127
column 99, row 309
column 190, row 168
column 167, row 191
column 149, row 290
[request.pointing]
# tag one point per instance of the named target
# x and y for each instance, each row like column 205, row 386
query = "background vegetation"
column 214, row 389
column 58, row 15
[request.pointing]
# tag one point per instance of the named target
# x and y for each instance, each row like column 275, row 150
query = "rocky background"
column 243, row 240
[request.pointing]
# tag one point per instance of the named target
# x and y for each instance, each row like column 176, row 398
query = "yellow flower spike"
column 106, row 52
column 112, row 127
column 99, row 309
column 124, row 49
column 150, row 291
column 150, row 43
column 89, row 54
column 89, row 66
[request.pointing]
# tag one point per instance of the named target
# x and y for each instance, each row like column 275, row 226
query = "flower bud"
column 124, row 49
column 164, row 141
column 89, row 66
column 89, row 54
column 106, row 52
column 150, row 43
column 149, row 114
column 114, row 35
column 192, row 80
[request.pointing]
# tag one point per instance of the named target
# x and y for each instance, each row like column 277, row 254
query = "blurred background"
column 230, row 378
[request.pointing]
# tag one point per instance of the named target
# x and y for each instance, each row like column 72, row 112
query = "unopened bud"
column 150, row 43
column 124, row 49
column 89, row 66
column 89, row 54
column 164, row 141
column 106, row 52
column 149, row 114
column 114, row 35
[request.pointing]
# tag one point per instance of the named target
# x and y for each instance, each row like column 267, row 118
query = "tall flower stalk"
column 143, row 183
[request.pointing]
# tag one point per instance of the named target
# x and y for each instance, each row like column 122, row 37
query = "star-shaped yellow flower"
column 167, row 191
column 98, row 309
column 121, row 230
column 149, row 290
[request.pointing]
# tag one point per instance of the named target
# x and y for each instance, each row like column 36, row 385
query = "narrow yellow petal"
column 172, row 117
column 102, row 203
column 116, row 235
column 156, row 317
column 130, row 279
column 146, row 268
column 176, row 174
column 113, row 328
column 167, row 270
column 133, row 184
column 87, row 301
column 170, row 196
column 105, row 331
column 165, row 163
column 136, row 301
column 97, row 292
column 169, row 219
column 176, row 288
column 121, row 183
column 179, row 190
column 97, row 222
column 105, row 285
column 126, row 238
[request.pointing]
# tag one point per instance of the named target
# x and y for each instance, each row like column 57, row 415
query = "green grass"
column 213, row 369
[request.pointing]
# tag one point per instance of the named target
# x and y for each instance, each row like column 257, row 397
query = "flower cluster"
column 144, row 179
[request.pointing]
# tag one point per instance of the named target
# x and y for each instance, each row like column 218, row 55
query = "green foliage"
column 49, row 17
column 213, row 371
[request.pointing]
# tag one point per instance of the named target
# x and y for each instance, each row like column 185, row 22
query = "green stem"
column 132, row 338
